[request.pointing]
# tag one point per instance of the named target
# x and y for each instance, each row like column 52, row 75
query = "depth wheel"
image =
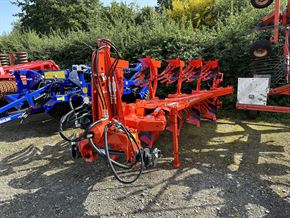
column 261, row 3
column 261, row 49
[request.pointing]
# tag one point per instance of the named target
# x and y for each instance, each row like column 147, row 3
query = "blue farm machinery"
column 46, row 91
column 133, row 89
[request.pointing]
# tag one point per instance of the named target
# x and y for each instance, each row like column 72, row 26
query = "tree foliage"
column 43, row 16
column 197, row 11
column 163, row 4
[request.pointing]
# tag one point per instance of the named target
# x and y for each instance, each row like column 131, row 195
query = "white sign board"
column 253, row 90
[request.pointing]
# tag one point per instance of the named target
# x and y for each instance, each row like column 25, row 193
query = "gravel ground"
column 229, row 169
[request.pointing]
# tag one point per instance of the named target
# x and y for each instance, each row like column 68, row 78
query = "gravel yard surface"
column 230, row 168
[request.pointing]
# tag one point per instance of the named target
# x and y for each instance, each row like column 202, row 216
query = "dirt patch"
column 229, row 169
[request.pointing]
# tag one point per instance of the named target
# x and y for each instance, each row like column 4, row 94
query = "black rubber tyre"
column 261, row 3
column 261, row 48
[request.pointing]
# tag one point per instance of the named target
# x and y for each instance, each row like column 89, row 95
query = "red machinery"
column 119, row 129
column 7, row 83
column 260, row 50
column 34, row 65
column 276, row 18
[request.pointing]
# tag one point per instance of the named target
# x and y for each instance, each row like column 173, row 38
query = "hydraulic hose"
column 65, row 119
column 111, row 162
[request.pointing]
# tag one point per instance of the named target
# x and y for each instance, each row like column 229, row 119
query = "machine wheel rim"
column 261, row 2
column 261, row 52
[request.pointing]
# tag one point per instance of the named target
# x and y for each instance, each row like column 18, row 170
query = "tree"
column 163, row 4
column 46, row 15
column 196, row 11
column 146, row 14
column 119, row 12
column 224, row 8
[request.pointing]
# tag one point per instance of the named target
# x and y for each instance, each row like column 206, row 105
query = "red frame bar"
column 285, row 90
column 275, row 39
column 275, row 109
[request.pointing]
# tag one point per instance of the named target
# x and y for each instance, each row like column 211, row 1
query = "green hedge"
column 147, row 32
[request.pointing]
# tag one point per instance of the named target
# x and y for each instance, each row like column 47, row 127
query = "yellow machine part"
column 54, row 75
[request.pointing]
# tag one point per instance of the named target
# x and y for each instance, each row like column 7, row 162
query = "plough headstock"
column 107, row 82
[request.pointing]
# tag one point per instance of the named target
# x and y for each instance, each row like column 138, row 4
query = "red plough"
column 130, row 130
